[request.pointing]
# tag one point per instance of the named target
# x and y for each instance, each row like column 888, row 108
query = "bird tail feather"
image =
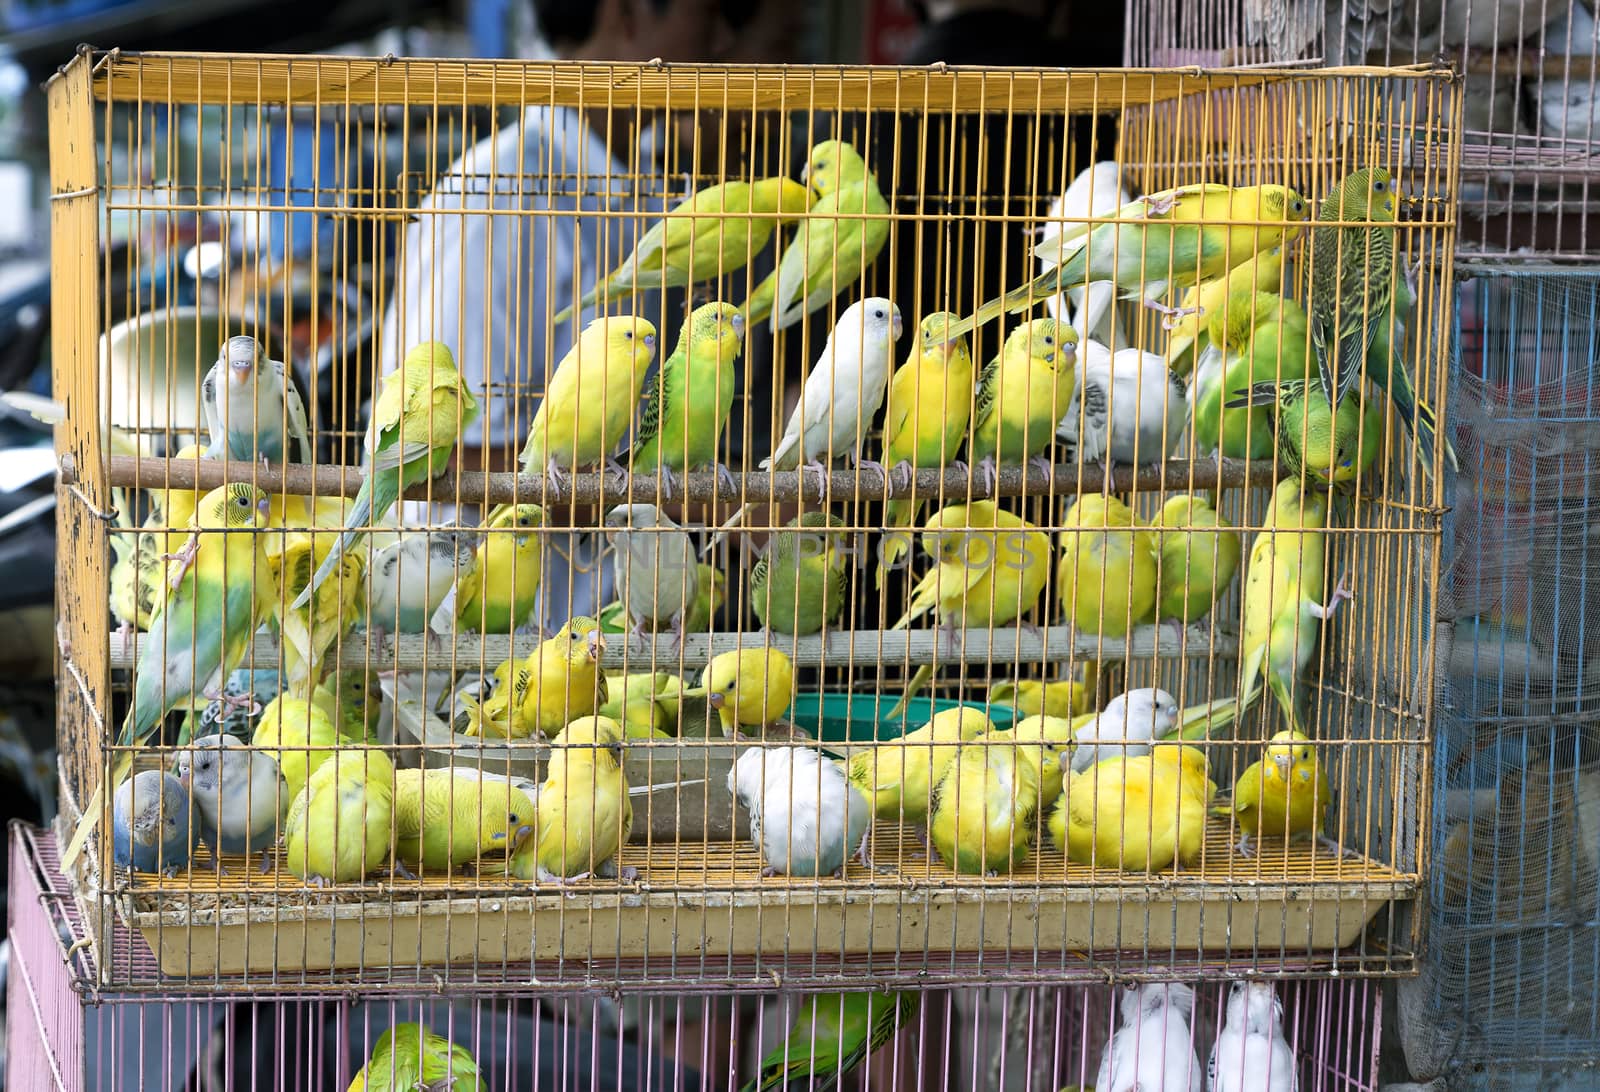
column 359, row 516
column 917, row 682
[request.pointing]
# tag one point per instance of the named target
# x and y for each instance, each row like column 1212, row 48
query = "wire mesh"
column 1530, row 151
column 1513, row 942
column 1324, row 1031
column 532, row 738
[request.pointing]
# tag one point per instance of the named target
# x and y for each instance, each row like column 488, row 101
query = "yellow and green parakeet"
column 827, row 254
column 1198, row 560
column 925, row 420
column 309, row 633
column 589, row 399
column 501, row 713
column 445, row 818
column 1284, row 796
column 498, row 591
column 1107, row 576
column 204, row 628
column 1256, row 337
column 691, row 397
column 1023, row 394
column 834, row 1033
column 138, row 586
column 1136, row 814
column 583, row 814
column 409, row 1056
column 298, row 736
column 1329, row 446
column 644, row 703
column 898, row 776
column 985, row 807
column 338, row 827
column 748, row 687
column 799, row 583
column 710, row 233
column 1157, row 243
column 1189, row 330
column 990, row 569
column 1281, row 617
column 419, row 414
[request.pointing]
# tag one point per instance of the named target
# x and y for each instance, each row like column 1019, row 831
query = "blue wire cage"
column 1514, row 936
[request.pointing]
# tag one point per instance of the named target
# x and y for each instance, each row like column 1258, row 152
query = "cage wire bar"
column 445, row 805
column 1530, row 152
column 1513, row 946
column 937, row 1039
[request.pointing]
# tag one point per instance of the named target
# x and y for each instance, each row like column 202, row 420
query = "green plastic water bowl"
column 845, row 717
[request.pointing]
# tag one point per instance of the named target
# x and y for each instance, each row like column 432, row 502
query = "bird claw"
column 1341, row 593
column 949, row 639
column 1171, row 316
column 1336, row 849
column 669, row 481
column 873, row 465
column 726, row 482
column 768, row 872
column 1043, row 466
column 126, row 632
column 988, row 475
column 617, row 475
column 1159, row 206
column 1244, row 848
column 185, row 557
column 399, row 869
column 266, row 861
column 816, row 467
column 556, row 477
column 627, row 874
column 903, row 475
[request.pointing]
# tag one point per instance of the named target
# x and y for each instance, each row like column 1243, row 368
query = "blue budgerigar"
column 150, row 828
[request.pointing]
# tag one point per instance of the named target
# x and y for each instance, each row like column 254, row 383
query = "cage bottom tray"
column 698, row 900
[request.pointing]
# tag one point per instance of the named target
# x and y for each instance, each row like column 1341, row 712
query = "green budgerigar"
column 691, row 397
column 833, row 1034
column 1023, row 394
column 1352, row 276
column 444, row 818
column 798, row 586
column 1331, row 446
column 925, row 419
column 836, row 241
column 409, row 1056
column 1256, row 337
column 420, row 412
column 708, row 234
column 1281, row 619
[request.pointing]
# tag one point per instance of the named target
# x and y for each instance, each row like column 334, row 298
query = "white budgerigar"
column 841, row 396
column 1152, row 1050
column 252, row 408
column 657, row 574
column 239, row 793
column 1097, row 191
column 805, row 815
column 1251, row 1054
column 1125, row 727
column 410, row 577
column 1128, row 408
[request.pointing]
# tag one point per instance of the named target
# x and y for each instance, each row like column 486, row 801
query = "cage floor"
column 699, row 900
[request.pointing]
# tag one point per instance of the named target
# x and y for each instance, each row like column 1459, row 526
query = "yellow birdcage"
column 394, row 226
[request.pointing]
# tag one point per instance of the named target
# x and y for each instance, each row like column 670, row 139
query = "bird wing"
column 298, row 430
column 208, row 404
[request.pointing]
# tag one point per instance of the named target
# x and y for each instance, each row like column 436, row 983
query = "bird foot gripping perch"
column 185, row 556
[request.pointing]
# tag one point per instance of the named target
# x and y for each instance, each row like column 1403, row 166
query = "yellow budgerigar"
column 338, row 827
column 583, row 814
column 1107, row 575
column 564, row 678
column 1069, row 697
column 1022, row 396
column 498, row 591
column 985, row 808
column 748, row 687
column 1041, row 742
column 990, row 569
column 590, row 398
column 1137, row 814
column 1284, row 796
column 925, row 420
column 1198, row 562
column 310, row 633
column 1281, row 616
column 445, row 818
column 898, row 776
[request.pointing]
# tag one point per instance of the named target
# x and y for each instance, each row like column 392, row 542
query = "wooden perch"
column 476, row 487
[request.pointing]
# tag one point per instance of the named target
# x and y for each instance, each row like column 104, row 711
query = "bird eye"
column 1048, row 340
column 878, row 313
column 628, row 334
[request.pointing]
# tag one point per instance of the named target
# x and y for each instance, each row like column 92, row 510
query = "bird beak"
column 264, row 506
column 897, row 326
column 716, row 699
column 737, row 322
column 518, row 835
column 1283, row 763
column 650, row 342
column 597, row 645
